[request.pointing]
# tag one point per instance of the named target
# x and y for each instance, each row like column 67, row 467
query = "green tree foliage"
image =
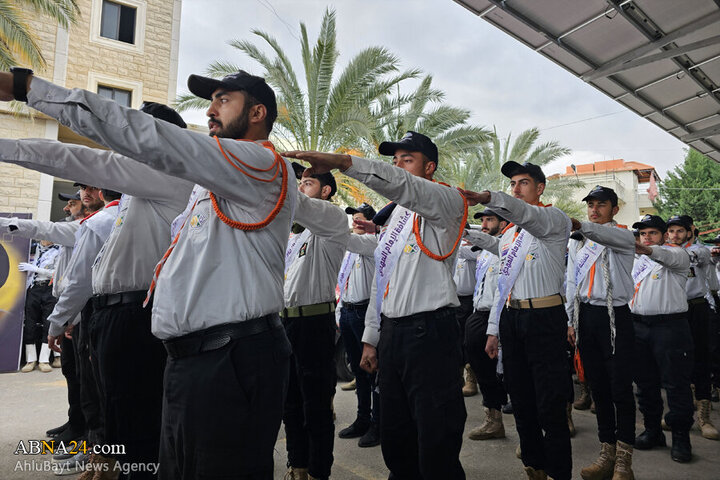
column 692, row 188
column 17, row 42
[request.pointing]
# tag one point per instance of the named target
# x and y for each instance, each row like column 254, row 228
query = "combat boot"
column 535, row 474
column 492, row 427
column 294, row 473
column 703, row 419
column 602, row 468
column 623, row 462
column 470, row 388
column 681, row 450
column 583, row 402
column 571, row 424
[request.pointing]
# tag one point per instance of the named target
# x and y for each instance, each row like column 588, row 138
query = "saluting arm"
column 541, row 222
column 674, row 258
column 483, row 240
column 161, row 145
column 618, row 239
column 362, row 244
column 322, row 218
column 61, row 233
column 91, row 166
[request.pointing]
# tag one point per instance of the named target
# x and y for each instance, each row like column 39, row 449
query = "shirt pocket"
column 197, row 222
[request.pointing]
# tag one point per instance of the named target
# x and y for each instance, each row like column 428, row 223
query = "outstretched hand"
column 368, row 226
column 576, row 225
column 320, row 162
column 473, row 198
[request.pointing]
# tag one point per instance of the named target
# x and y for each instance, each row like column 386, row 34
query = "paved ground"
column 31, row 403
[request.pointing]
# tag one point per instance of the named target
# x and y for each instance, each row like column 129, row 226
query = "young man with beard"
column 680, row 232
column 485, row 368
column 312, row 262
column 529, row 317
column 599, row 288
column 121, row 275
column 218, row 288
column 355, row 283
column 421, row 404
column 663, row 341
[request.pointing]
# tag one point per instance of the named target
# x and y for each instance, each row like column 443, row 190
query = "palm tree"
column 329, row 112
column 481, row 169
column 17, row 43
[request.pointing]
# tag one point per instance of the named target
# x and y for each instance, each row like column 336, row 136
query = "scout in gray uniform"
column 39, row 303
column 663, row 341
column 218, row 289
column 355, row 282
column 421, row 405
column 680, row 232
column 599, row 288
column 60, row 233
column 464, row 279
column 313, row 260
column 532, row 320
column 488, row 266
column 121, row 275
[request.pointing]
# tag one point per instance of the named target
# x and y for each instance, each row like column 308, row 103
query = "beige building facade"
column 126, row 50
column 630, row 180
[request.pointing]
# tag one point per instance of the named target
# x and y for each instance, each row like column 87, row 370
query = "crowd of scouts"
column 197, row 310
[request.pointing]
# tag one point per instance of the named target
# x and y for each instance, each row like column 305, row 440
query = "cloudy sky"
column 502, row 82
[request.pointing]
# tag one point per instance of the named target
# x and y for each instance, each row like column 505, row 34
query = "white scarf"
column 512, row 261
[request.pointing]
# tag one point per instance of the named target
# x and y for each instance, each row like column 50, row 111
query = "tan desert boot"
column 602, row 468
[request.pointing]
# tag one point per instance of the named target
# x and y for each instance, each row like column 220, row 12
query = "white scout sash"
column 388, row 251
column 584, row 260
column 345, row 269
column 512, row 261
column 294, row 245
column 642, row 268
column 483, row 265
column 179, row 221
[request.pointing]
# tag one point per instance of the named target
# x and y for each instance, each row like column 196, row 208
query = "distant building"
column 126, row 50
column 630, row 180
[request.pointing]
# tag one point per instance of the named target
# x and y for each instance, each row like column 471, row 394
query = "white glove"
column 27, row 267
column 4, row 222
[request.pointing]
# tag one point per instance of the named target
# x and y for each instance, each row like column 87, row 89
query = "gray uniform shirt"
column 418, row 283
column 486, row 291
column 662, row 291
column 464, row 276
column 216, row 274
column 312, row 275
column 150, row 202
column 543, row 269
column 361, row 274
column 620, row 243
column 700, row 262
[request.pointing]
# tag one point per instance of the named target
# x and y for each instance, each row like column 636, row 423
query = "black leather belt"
column 217, row 337
column 355, row 306
column 697, row 301
column 102, row 301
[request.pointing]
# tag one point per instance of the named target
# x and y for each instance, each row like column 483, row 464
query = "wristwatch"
column 20, row 76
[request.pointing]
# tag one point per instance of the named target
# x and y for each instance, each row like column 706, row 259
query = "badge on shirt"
column 529, row 257
column 198, row 220
column 119, row 221
column 303, row 250
column 411, row 248
column 656, row 276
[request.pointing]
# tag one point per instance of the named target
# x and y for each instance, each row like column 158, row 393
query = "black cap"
column 688, row 219
column 204, row 87
column 163, row 112
column 715, row 240
column 576, row 236
column 488, row 213
column 680, row 220
column 81, row 185
column 367, row 210
column 651, row 221
column 602, row 193
column 511, row 168
column 384, row 214
column 325, row 178
column 414, row 142
column 65, row 197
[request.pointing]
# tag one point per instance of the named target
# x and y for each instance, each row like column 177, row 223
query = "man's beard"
column 94, row 205
column 237, row 128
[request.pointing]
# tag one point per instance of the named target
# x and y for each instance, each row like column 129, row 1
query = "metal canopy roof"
column 659, row 58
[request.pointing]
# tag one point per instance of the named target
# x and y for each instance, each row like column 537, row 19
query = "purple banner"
column 13, row 250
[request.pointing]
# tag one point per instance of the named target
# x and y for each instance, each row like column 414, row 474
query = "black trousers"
column 609, row 374
column 69, row 371
column 86, row 368
column 485, row 368
column 222, row 409
column 699, row 320
column 462, row 313
column 39, row 304
column 536, row 371
column 132, row 381
column 309, row 427
column 422, row 410
column 715, row 343
column 664, row 359
column 352, row 326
